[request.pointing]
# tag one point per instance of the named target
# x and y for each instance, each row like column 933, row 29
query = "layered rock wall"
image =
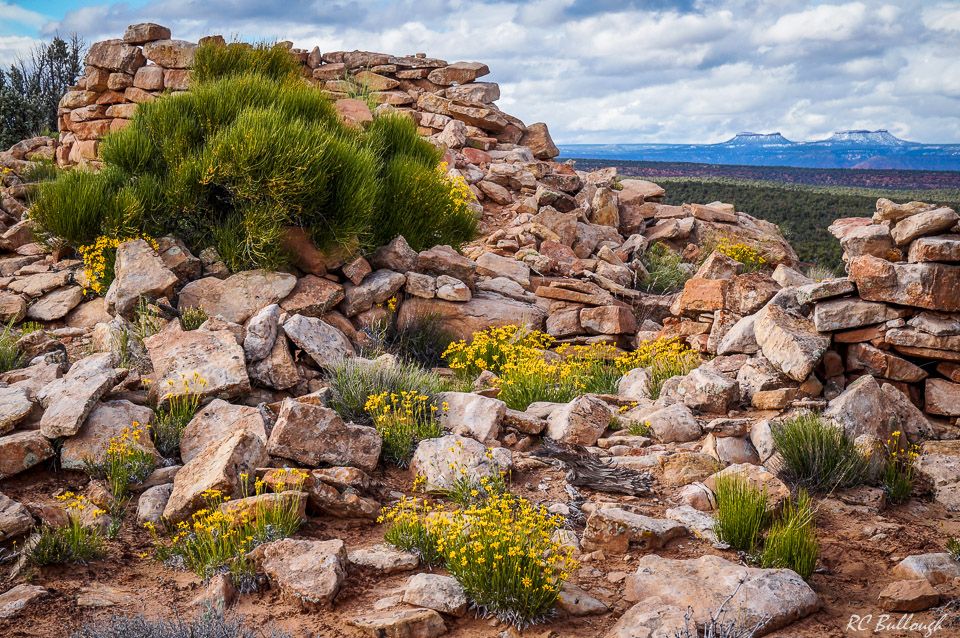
column 445, row 100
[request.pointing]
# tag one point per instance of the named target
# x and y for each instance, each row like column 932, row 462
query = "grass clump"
column 792, row 541
column 751, row 258
column 210, row 623
column 174, row 413
column 354, row 381
column 666, row 271
column 898, row 469
column 403, row 420
column 817, row 455
column 10, row 356
column 74, row 542
column 741, row 512
column 192, row 318
column 249, row 151
column 218, row 537
column 422, row 341
column 953, row 547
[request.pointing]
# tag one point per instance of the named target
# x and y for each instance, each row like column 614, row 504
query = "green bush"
column 250, row 150
column 10, row 357
column 816, row 455
column 666, row 271
column 792, row 540
column 741, row 512
column 354, row 381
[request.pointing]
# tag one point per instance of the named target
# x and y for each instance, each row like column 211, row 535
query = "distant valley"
column 844, row 149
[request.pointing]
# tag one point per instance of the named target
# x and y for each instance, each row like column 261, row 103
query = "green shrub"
column 250, row 150
column 10, row 357
column 74, row 542
column 792, row 540
column 422, row 341
column 354, row 381
column 817, row 455
column 403, row 420
column 192, row 318
column 899, row 466
column 741, row 512
column 666, row 271
column 953, row 547
column 174, row 414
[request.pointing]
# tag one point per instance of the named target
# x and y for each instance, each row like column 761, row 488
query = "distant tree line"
column 32, row 87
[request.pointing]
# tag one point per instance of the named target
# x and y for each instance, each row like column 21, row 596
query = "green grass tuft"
column 741, row 512
column 816, row 455
column 792, row 539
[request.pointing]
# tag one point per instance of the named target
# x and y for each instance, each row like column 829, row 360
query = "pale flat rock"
column 277, row 370
column 68, row 400
column 461, row 320
column 140, row 272
column 843, row 314
column 472, row 415
column 434, row 457
column 106, row 420
column 215, row 468
column 56, row 304
column 217, row 421
column 15, row 519
column 15, row 406
column 412, row 623
column 22, row 450
column 789, row 341
column 581, row 421
column 612, row 529
column 778, row 595
column 935, row 568
column 437, row 592
column 261, row 332
column 178, row 355
column 315, row 435
column 383, row 559
column 152, row 502
column 322, row 342
column 16, row 599
column 239, row 296
column 307, row 571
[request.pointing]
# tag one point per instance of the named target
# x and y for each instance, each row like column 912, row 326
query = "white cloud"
column 664, row 70
column 13, row 47
column 12, row 13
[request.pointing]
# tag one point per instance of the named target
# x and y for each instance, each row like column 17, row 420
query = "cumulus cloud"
column 631, row 70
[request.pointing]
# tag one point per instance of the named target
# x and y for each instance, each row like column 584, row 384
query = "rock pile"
column 444, row 99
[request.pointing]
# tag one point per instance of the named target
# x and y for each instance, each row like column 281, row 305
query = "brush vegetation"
column 248, row 152
column 817, row 455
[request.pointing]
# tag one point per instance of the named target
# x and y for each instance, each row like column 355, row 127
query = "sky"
column 610, row 71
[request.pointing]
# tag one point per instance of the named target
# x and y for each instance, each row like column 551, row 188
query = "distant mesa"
column 881, row 137
column 764, row 139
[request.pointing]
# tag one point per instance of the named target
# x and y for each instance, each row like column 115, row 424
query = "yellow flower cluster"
column 899, row 466
column 77, row 541
column 99, row 259
column 493, row 348
column 663, row 358
column 751, row 258
column 460, row 194
column 126, row 461
column 176, row 407
column 76, row 504
column 501, row 551
column 217, row 539
column 403, row 420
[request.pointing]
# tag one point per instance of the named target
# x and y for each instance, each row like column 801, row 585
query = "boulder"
column 307, row 571
column 861, row 409
column 777, row 596
column 926, row 285
column 22, row 450
column 472, row 415
column 152, row 502
column 114, row 55
column 612, row 529
column 941, row 248
column 789, row 341
column 935, row 569
column 673, row 424
column 451, row 289
column 444, row 460
column 707, row 391
column 580, row 421
column 863, row 357
column 402, row 623
column 376, row 288
column 312, row 296
column 444, row 260
column 239, row 296
column 217, row 421
column 145, row 32
column 493, row 265
column 15, row 406
column 15, row 519
column 383, row 559
column 139, row 272
column 646, row 621
column 217, row 467
column 908, row 596
column 462, row 320
column 458, row 73
column 68, row 400
column 608, row 320
column 314, row 435
column 929, row 222
column 437, row 592
column 261, row 332
column 181, row 357
column 56, row 304
column 277, row 370
column 842, row 314
column 538, row 139
column 322, row 342
column 16, row 599
column 170, row 54
column 397, row 256
column 106, row 420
